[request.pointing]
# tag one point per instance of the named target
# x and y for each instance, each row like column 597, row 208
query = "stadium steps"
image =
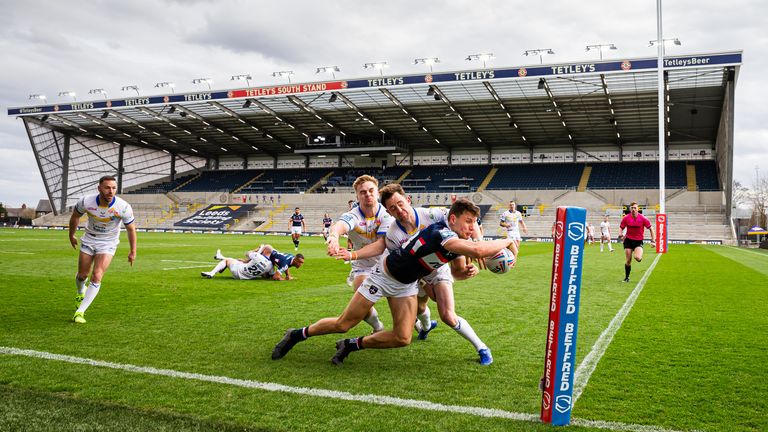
column 690, row 174
column 248, row 182
column 402, row 177
column 488, row 179
column 584, row 178
column 271, row 218
column 320, row 182
column 187, row 182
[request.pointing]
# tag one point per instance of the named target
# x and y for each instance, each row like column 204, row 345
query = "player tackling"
column 105, row 212
column 263, row 262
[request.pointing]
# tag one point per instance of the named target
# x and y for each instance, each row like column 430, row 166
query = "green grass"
column 688, row 356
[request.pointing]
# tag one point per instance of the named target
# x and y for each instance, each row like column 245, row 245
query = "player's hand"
column 471, row 271
column 276, row 277
column 333, row 245
column 131, row 257
column 653, row 244
column 73, row 240
column 343, row 254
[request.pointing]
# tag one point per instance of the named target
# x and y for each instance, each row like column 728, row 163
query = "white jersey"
column 104, row 218
column 423, row 217
column 513, row 219
column 591, row 229
column 605, row 228
column 364, row 230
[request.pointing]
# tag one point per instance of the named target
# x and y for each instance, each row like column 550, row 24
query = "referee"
column 635, row 225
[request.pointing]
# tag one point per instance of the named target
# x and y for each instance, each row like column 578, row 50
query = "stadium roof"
column 569, row 104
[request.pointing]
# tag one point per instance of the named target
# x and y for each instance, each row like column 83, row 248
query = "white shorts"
column 326, row 231
column 442, row 274
column 259, row 267
column 379, row 284
column 295, row 230
column 92, row 247
column 514, row 235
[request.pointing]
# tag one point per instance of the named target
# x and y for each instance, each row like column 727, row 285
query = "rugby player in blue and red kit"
column 396, row 276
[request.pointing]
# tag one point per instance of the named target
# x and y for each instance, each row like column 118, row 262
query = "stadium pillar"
column 728, row 186
column 173, row 166
column 120, row 169
column 64, row 175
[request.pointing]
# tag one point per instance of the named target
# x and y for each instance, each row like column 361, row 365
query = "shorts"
column 261, row 267
column 442, row 274
column 379, row 284
column 514, row 235
column 632, row 244
column 295, row 230
column 362, row 267
column 326, row 231
column 92, row 247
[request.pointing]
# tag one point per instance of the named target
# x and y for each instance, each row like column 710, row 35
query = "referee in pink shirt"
column 635, row 223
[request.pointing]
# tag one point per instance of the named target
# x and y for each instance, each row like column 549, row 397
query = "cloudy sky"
column 52, row 46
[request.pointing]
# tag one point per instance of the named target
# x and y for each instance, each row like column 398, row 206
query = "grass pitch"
column 690, row 354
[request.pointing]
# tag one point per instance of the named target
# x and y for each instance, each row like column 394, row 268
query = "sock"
column 627, row 269
column 354, row 344
column 299, row 334
column 80, row 285
column 467, row 332
column 220, row 266
column 424, row 319
column 373, row 320
column 610, row 248
column 90, row 294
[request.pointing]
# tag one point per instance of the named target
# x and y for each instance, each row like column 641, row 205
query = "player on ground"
column 511, row 220
column 635, row 225
column 395, row 277
column 102, row 235
column 363, row 224
column 605, row 234
column 297, row 226
column 327, row 221
column 263, row 262
column 437, row 285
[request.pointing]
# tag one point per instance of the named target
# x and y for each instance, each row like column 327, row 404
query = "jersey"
column 104, row 218
column 364, row 231
column 258, row 266
column 397, row 235
column 423, row 253
column 635, row 226
column 280, row 261
column 327, row 222
column 296, row 219
column 591, row 229
column 605, row 228
column 513, row 219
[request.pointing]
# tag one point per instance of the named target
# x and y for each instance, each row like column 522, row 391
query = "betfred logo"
column 575, row 231
column 559, row 230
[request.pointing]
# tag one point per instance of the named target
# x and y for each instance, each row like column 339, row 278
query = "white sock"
column 373, row 320
column 425, row 318
column 219, row 267
column 465, row 330
column 80, row 285
column 90, row 294
column 601, row 246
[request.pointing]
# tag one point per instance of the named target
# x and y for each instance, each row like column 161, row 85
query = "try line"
column 331, row 394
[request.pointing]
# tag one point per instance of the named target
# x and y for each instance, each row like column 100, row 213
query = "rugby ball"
column 501, row 262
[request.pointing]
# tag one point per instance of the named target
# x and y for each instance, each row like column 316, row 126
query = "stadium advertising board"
column 562, row 326
column 216, row 216
column 391, row 81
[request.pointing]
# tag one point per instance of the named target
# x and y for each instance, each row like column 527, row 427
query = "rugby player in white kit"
column 364, row 224
column 105, row 213
column 263, row 262
column 511, row 219
column 438, row 285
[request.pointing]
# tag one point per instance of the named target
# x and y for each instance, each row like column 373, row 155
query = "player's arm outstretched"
column 480, row 249
column 74, row 221
column 462, row 269
column 368, row 251
column 338, row 229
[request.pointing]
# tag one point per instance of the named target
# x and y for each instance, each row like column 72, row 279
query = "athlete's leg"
column 372, row 317
column 446, row 308
column 638, row 252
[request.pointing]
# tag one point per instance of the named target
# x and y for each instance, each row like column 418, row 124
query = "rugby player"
column 102, row 235
column 263, row 262
column 635, row 224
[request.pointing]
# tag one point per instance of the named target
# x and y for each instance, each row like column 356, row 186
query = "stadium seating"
column 164, row 187
column 219, row 181
column 344, row 177
column 537, row 176
column 445, row 178
column 636, row 175
column 706, row 175
column 286, row 181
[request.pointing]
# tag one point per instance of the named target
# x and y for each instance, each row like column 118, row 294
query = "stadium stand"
column 219, row 180
column 164, row 187
column 706, row 175
column 636, row 175
column 537, row 176
column 442, row 178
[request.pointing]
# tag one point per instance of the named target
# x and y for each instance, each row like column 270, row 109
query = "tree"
column 759, row 195
column 741, row 195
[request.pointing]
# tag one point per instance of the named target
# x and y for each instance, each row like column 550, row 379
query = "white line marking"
column 332, row 394
column 748, row 251
column 190, row 262
column 588, row 365
column 28, row 239
column 18, row 253
column 187, row 267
